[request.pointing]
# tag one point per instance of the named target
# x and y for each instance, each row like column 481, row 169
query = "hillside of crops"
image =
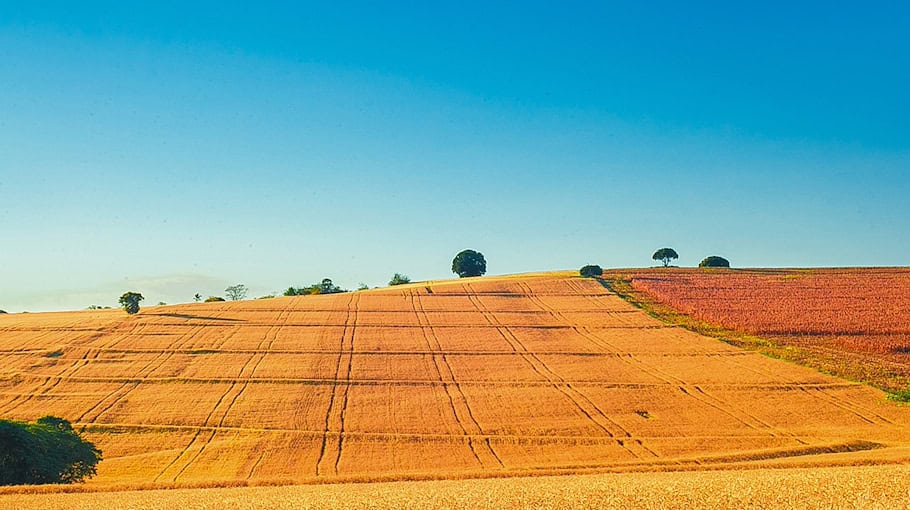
column 851, row 322
column 473, row 378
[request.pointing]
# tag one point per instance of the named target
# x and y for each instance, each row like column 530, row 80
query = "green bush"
column 213, row 299
column 47, row 451
column 714, row 261
column 591, row 271
column 398, row 279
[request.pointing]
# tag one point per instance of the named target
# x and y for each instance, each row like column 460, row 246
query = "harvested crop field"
column 851, row 322
column 476, row 378
column 859, row 487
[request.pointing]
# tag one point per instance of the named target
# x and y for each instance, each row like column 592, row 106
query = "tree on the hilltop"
column 214, row 299
column 47, row 451
column 130, row 302
column 714, row 261
column 197, row 297
column 326, row 286
column 398, row 279
column 236, row 292
column 469, row 263
column 591, row 271
column 665, row 255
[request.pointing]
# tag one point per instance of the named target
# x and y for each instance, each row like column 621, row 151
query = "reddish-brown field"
column 856, row 322
column 476, row 378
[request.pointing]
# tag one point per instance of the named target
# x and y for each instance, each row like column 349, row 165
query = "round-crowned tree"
column 214, row 299
column 714, row 261
column 665, row 255
column 591, row 271
column 469, row 263
column 130, row 302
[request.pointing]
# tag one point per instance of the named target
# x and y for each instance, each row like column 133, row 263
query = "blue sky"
column 172, row 149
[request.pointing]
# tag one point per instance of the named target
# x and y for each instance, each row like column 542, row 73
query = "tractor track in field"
column 696, row 392
column 612, row 428
column 820, row 393
column 593, row 414
column 185, row 339
column 237, row 388
column 149, row 368
column 415, row 352
column 48, row 384
column 433, row 344
column 436, row 382
column 348, row 330
column 347, row 385
column 89, row 354
column 394, row 437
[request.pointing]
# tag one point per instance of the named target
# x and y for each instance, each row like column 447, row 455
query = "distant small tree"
column 398, row 279
column 326, row 286
column 214, row 299
column 130, row 302
column 161, row 303
column 197, row 297
column 714, row 261
column 236, row 292
column 362, row 286
column 665, row 255
column 469, row 263
column 591, row 271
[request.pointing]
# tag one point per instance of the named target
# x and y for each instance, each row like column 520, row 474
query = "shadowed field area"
column 487, row 377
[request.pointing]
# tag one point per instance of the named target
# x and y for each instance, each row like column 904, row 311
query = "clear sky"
column 173, row 149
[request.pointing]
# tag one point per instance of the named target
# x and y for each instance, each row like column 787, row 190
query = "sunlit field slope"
column 854, row 322
column 487, row 377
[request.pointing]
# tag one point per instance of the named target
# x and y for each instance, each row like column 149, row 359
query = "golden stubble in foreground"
column 858, row 487
column 546, row 374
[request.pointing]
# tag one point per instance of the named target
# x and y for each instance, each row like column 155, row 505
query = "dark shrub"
column 714, row 261
column 591, row 271
column 47, row 451
column 398, row 279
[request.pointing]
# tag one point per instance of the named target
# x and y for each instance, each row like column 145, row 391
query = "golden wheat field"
column 497, row 377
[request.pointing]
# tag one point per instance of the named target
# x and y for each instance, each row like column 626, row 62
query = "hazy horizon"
column 175, row 150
